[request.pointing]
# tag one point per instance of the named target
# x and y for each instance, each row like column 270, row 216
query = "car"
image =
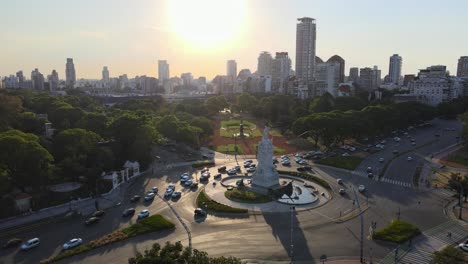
column 303, row 162
column 176, row 195
column 396, row 139
column 346, row 154
column 301, row 169
column 199, row 212
column 171, row 186
column 194, row 185
column 285, row 163
column 31, row 243
column 413, row 143
column 307, row 167
column 92, row 220
column 231, row 172
column 155, row 189
column 369, row 169
column 463, row 246
column 253, row 165
column 72, row 243
column 251, row 169
column 217, row 175
column 14, row 242
column 339, row 181
column 412, row 140
column 437, row 135
column 135, row 198
column 99, row 214
column 128, row 212
column 204, row 157
column 204, row 169
column 275, row 160
column 221, row 169
column 361, row 188
column 370, row 175
column 352, row 149
column 188, row 183
column 144, row 213
column 383, row 142
column 237, row 168
column 149, row 196
column 246, row 165
column 409, row 158
column 248, row 162
column 342, row 191
column 381, row 160
column 298, row 154
column 184, row 174
column 184, row 179
column 168, row 192
column 395, row 151
column 206, row 174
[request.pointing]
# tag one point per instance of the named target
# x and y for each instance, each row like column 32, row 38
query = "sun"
column 207, row 23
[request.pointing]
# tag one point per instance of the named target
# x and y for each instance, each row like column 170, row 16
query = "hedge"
column 398, row 231
column 245, row 196
column 202, row 164
column 215, row 206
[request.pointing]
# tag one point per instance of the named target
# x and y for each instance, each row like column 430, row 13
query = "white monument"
column 265, row 177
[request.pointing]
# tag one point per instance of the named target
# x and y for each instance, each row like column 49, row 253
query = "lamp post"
column 291, row 246
column 362, row 227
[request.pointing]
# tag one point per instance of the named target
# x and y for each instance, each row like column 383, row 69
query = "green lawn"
column 275, row 149
column 460, row 158
column 245, row 196
column 349, row 163
column 398, row 231
column 214, row 206
column 230, row 127
column 230, row 149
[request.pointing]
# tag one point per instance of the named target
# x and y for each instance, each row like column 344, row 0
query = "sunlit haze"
column 200, row 36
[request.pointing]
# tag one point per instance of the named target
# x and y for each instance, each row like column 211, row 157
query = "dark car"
column 128, row 212
column 99, row 213
column 194, row 185
column 370, row 175
column 223, row 168
column 218, row 175
column 307, row 167
column 395, row 151
column 92, row 220
column 199, row 212
column 301, row 169
column 135, row 198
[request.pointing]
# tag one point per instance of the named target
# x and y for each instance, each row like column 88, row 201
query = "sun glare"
column 207, row 23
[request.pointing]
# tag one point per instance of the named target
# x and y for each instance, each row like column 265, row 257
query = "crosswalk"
column 387, row 180
column 404, row 184
column 448, row 233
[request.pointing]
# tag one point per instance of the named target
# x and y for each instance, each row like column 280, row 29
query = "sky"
column 199, row 36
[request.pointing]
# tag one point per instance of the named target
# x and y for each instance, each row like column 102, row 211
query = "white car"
column 251, row 169
column 149, row 196
column 143, row 214
column 381, row 160
column 31, row 243
column 72, row 243
column 463, row 246
column 176, row 194
column 409, row 158
column 303, row 162
column 339, row 181
column 361, row 188
column 286, row 162
column 346, row 154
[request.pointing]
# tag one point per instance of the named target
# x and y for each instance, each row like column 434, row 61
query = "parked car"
column 184, row 179
column 275, row 160
column 370, row 175
column 168, row 192
column 31, row 243
column 221, row 169
column 463, row 246
column 342, row 191
column 339, row 181
column 135, row 198
column 361, row 188
column 99, row 214
column 14, row 242
column 218, row 175
column 149, row 196
column 395, row 151
column 72, row 243
column 381, row 160
column 199, row 212
column 369, row 169
column 286, row 163
column 237, row 168
column 194, row 185
column 251, row 169
column 413, row 143
column 171, row 186
column 155, row 189
column 92, row 220
column 143, row 214
column 188, row 183
column 301, row 169
column 176, row 195
column 128, row 212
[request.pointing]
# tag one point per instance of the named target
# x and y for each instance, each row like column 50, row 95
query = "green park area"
column 230, row 149
column 245, row 196
column 348, row 163
column 398, row 232
column 231, row 127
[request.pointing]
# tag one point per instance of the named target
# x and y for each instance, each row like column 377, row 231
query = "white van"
column 31, row 243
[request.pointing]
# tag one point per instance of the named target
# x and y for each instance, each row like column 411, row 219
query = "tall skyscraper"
column 354, row 74
column 231, row 70
column 163, row 70
column 264, row 66
column 21, row 79
column 305, row 49
column 280, row 72
column 341, row 62
column 105, row 74
column 53, row 81
column 462, row 69
column 70, row 75
column 37, row 80
column 394, row 70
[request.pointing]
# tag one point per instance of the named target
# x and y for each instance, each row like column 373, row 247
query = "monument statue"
column 265, row 177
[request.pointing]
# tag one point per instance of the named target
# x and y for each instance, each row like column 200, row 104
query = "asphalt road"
column 257, row 235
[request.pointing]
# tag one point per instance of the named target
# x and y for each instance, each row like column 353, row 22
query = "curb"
column 352, row 214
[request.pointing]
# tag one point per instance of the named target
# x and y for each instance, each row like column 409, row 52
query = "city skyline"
column 133, row 46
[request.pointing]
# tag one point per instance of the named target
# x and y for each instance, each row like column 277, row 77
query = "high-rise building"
column 353, row 74
column 305, row 49
column 163, row 70
column 53, row 81
column 244, row 74
column 394, row 70
column 9, row 82
column 37, row 80
column 369, row 78
column 21, row 79
column 341, row 62
column 231, row 70
column 280, row 72
column 264, row 66
column 187, row 79
column 328, row 76
column 70, row 74
column 462, row 69
column 105, row 74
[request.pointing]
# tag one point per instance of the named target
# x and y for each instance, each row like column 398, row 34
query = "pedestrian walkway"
column 434, row 239
column 386, row 180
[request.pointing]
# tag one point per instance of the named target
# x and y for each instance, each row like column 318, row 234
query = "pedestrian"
column 449, row 234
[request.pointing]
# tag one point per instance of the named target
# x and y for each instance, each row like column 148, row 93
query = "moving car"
column 342, row 191
column 409, row 158
column 72, row 243
column 99, row 214
column 135, row 198
column 199, row 212
column 176, row 194
column 31, row 243
column 381, row 160
column 370, row 175
column 92, row 220
column 339, row 181
column 128, row 212
column 361, row 188
column 143, row 214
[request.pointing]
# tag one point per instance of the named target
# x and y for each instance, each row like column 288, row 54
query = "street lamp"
column 362, row 227
column 291, row 247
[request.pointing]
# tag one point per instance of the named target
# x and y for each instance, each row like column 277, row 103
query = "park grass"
column 309, row 177
column 231, row 127
column 276, row 150
column 398, row 232
column 154, row 223
column 348, row 163
column 213, row 206
column 245, row 196
column 230, row 149
column 460, row 157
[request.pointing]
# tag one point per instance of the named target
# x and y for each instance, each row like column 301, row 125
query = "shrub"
column 309, row 177
column 398, row 231
column 202, row 164
column 247, row 196
column 215, row 206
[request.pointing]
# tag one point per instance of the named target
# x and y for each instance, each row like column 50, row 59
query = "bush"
column 153, row 223
column 202, row 164
column 246, row 196
column 398, row 231
column 309, row 177
column 230, row 149
column 215, row 206
column 450, row 255
column 348, row 163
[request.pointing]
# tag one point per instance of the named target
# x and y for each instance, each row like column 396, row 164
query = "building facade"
column 328, row 76
column 394, row 70
column 231, row 70
column 70, row 74
column 163, row 70
column 280, row 72
column 369, row 78
column 341, row 62
column 53, row 81
column 264, row 65
column 305, row 49
column 462, row 69
column 353, row 75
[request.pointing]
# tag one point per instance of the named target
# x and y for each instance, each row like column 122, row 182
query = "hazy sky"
column 199, row 36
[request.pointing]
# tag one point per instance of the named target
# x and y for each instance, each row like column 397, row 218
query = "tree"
column 456, row 180
column 450, row 255
column 10, row 106
column 345, row 103
column 246, row 101
column 176, row 253
column 216, row 103
column 323, row 103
